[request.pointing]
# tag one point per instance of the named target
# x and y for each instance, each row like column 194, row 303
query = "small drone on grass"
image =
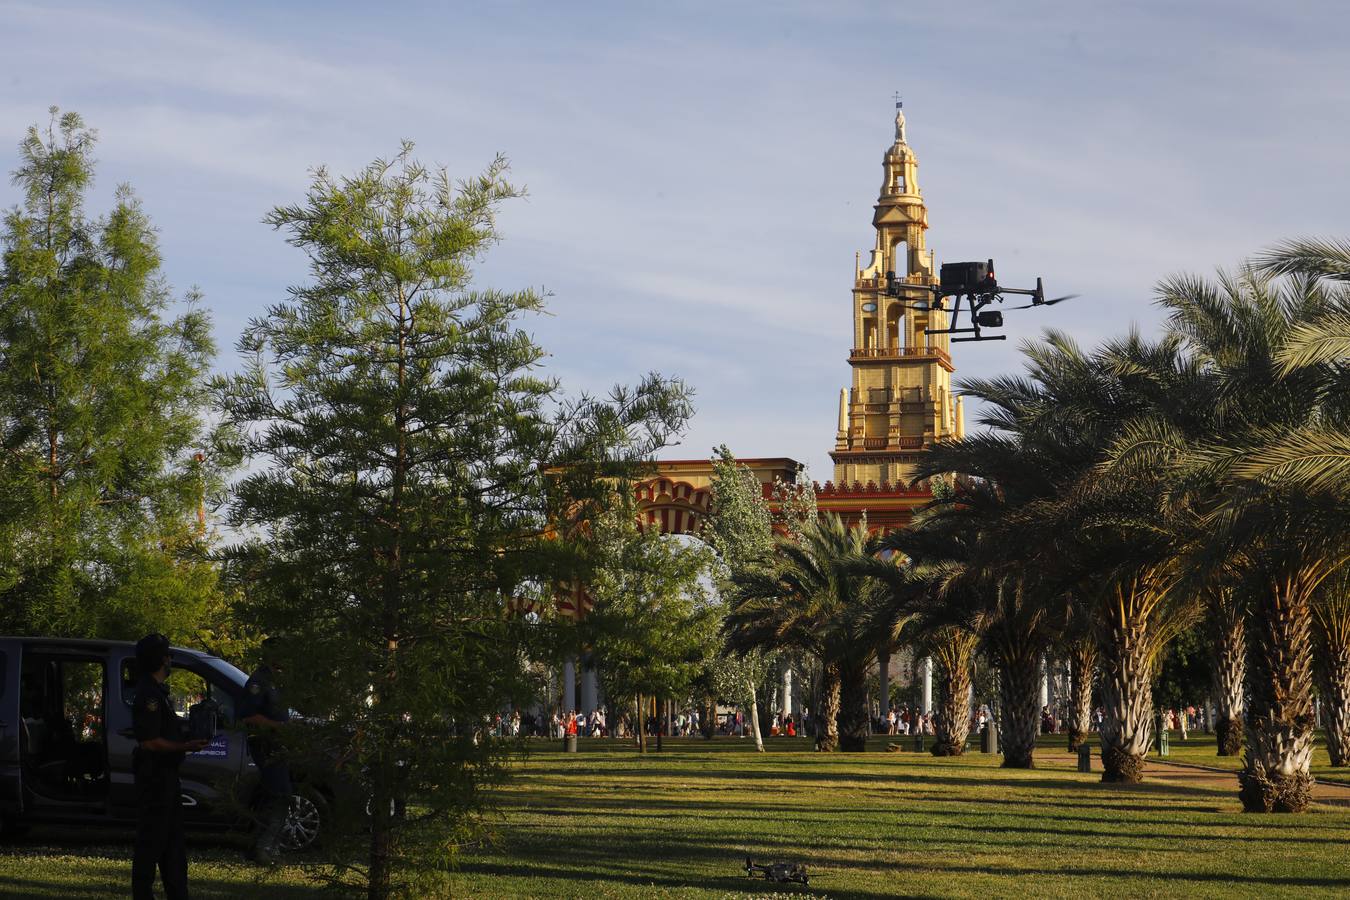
column 777, row 871
column 972, row 284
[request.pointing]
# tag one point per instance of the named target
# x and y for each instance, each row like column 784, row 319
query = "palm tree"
column 1227, row 620
column 952, row 649
column 1268, row 512
column 1069, row 541
column 1331, row 622
column 811, row 597
column 966, row 597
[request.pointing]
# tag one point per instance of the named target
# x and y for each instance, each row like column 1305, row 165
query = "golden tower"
column 901, row 399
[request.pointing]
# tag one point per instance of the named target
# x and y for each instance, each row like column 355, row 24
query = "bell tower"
column 901, row 399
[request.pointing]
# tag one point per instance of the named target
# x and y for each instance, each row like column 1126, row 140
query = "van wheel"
column 305, row 821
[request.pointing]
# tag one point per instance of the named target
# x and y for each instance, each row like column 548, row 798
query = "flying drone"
column 970, row 284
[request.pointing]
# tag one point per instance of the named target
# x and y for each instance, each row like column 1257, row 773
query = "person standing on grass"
column 263, row 711
column 159, row 752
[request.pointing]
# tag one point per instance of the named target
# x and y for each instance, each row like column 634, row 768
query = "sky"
column 700, row 175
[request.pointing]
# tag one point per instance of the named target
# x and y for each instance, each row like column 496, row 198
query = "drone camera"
column 990, row 319
column 967, row 277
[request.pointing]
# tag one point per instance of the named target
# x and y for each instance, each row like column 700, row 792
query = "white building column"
column 569, row 678
column 1045, row 684
column 927, row 684
column 588, row 690
column 884, row 681
column 787, row 689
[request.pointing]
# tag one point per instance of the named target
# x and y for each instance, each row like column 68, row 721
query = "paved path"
column 1192, row 775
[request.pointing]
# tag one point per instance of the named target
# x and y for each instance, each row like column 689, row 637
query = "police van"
column 66, row 738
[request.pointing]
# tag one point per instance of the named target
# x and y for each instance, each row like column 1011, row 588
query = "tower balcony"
column 936, row 353
column 893, row 443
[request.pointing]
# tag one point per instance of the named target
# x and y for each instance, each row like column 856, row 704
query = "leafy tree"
column 1184, row 671
column 102, row 395
column 740, row 532
column 652, row 628
column 412, row 475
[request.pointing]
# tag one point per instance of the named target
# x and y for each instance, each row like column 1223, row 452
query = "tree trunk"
column 951, row 725
column 827, row 738
column 853, row 707
column 641, row 722
column 1082, row 667
column 1127, row 656
column 380, row 883
column 707, row 723
column 1332, row 620
column 1228, row 636
column 754, row 716
column 659, row 714
column 1019, row 683
column 1275, row 776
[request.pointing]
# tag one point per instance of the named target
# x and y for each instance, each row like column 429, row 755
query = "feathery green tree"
column 103, row 401
column 412, row 473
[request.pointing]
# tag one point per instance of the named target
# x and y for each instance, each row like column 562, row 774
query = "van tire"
column 306, row 821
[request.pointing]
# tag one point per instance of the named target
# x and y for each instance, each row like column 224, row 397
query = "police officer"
column 264, row 712
column 159, row 751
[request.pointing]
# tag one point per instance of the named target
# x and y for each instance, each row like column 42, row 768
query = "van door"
column 11, row 731
column 207, row 777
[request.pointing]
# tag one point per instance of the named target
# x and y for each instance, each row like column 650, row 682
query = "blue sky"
column 701, row 174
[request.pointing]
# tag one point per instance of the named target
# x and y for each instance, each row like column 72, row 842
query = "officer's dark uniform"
column 262, row 697
column 159, row 828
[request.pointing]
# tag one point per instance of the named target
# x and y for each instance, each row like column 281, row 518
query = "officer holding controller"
column 160, row 749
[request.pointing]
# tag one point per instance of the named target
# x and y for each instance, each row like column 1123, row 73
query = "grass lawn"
column 606, row 823
column 1200, row 749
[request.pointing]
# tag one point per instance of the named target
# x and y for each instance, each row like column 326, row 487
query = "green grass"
column 606, row 823
column 1200, row 749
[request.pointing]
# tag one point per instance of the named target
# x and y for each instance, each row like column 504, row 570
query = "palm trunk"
column 828, row 737
column 1229, row 638
column 1333, row 637
column 951, row 726
column 1019, row 687
column 754, row 716
column 1082, row 667
column 853, row 708
column 1275, row 776
column 1127, row 656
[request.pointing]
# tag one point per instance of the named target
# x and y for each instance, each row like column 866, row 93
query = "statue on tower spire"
column 899, row 120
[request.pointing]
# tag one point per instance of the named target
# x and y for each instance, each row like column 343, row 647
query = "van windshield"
column 225, row 670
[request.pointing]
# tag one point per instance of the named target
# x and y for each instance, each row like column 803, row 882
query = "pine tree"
column 414, row 474
column 102, row 398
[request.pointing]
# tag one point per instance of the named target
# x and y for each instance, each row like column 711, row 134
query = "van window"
column 186, row 687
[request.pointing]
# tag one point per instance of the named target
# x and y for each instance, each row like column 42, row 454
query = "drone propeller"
column 1046, row 302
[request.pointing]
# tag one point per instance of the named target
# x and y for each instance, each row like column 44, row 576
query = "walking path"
column 1330, row 793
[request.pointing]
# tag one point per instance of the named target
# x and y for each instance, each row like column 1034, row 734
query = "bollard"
column 1084, row 758
column 989, row 738
column 570, row 745
column 918, row 742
